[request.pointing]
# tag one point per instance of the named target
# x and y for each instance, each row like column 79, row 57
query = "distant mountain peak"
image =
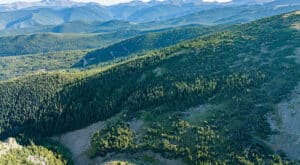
column 42, row 3
column 64, row 2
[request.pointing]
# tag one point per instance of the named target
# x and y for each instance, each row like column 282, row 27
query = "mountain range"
column 53, row 12
column 70, row 3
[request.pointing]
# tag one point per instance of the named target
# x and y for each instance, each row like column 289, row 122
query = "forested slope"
column 15, row 66
column 51, row 42
column 245, row 70
column 147, row 42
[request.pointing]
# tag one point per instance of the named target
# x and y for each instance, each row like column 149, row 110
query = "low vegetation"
column 28, row 155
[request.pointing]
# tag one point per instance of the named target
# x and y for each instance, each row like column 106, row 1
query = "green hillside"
column 51, row 42
column 18, row 65
column 109, row 33
column 94, row 26
column 147, row 42
column 242, row 72
column 15, row 66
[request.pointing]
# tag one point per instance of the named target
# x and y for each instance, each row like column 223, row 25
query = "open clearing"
column 286, row 123
column 78, row 142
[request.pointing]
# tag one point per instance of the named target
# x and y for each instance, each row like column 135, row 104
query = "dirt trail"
column 78, row 142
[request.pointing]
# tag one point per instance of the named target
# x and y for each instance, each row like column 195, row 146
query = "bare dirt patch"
column 78, row 142
column 286, row 123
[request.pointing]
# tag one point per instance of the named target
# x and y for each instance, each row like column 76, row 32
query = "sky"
column 104, row 2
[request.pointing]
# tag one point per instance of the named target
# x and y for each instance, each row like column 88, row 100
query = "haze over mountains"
column 56, row 12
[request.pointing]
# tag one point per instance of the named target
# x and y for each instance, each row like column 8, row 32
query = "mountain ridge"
column 140, row 12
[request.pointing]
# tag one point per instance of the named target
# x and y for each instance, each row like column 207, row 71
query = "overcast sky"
column 104, row 2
